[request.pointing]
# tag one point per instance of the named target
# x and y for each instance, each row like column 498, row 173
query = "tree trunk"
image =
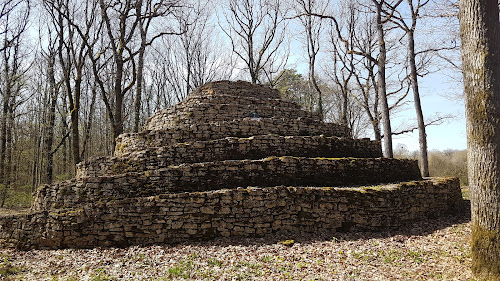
column 312, row 79
column 49, row 125
column 422, row 136
column 3, row 133
column 382, row 86
column 118, row 116
column 138, row 90
column 75, row 119
column 8, row 155
column 4, row 122
column 480, row 35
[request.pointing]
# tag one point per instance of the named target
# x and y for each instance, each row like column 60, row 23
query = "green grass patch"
column 214, row 262
column 8, row 269
column 465, row 192
column 288, row 243
column 18, row 197
column 100, row 275
column 417, row 256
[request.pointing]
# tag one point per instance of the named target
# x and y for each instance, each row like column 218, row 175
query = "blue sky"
column 440, row 95
column 441, row 91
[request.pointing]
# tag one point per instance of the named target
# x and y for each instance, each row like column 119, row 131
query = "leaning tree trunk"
column 422, row 135
column 480, row 35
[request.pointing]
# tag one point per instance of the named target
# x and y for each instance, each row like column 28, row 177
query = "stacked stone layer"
column 230, row 148
column 242, row 128
column 185, row 177
column 245, row 212
column 197, row 177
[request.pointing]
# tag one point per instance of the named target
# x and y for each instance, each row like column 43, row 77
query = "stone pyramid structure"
column 232, row 159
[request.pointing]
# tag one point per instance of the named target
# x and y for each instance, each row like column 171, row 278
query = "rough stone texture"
column 271, row 171
column 245, row 212
column 228, row 101
column 187, row 177
column 230, row 148
column 241, row 128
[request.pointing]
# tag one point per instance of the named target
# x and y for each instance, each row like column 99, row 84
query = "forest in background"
column 75, row 74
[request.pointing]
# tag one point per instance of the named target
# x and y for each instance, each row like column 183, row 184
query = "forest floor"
column 435, row 249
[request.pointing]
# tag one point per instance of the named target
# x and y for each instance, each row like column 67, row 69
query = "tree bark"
column 382, row 85
column 480, row 36
column 4, row 127
column 8, row 154
column 422, row 135
column 48, row 139
column 138, row 89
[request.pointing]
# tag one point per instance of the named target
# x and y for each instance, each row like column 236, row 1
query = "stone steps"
column 231, row 148
column 242, row 128
column 204, row 170
column 198, row 177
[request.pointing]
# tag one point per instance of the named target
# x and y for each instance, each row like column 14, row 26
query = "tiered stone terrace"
column 233, row 159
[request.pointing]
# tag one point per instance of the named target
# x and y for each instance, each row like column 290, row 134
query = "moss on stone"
column 118, row 168
column 120, row 147
column 287, row 243
column 269, row 159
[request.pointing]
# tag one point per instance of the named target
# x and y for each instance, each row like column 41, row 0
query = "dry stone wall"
column 187, row 177
column 244, row 212
column 224, row 103
column 272, row 171
column 230, row 148
column 243, row 128
column 220, row 111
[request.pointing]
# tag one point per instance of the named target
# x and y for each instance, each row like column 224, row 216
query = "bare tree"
column 122, row 23
column 15, row 22
column 313, row 27
column 7, row 9
column 256, row 29
column 383, row 10
column 367, row 94
column 72, row 55
column 343, row 68
column 409, row 29
column 194, row 57
column 50, row 100
column 480, row 35
column 383, row 13
column 147, row 11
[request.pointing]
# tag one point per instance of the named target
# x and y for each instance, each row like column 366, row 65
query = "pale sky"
column 440, row 95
